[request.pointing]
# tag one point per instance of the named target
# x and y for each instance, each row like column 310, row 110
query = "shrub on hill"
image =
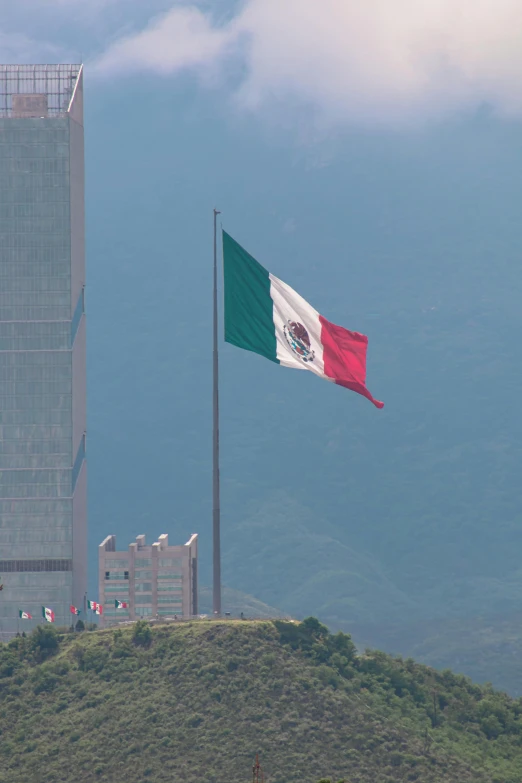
column 141, row 633
column 191, row 702
column 44, row 642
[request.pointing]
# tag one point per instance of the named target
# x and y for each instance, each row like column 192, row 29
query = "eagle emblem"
column 299, row 341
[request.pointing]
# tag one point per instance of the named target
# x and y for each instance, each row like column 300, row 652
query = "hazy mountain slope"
column 235, row 602
column 405, row 514
column 487, row 648
column 284, row 552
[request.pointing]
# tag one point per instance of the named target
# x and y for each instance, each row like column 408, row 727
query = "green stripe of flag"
column 249, row 321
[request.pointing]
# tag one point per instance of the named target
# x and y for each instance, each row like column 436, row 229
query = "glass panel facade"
column 120, row 589
column 169, row 599
column 123, row 564
column 143, row 574
column 143, row 587
column 40, row 254
column 142, row 562
column 169, row 588
column 12, row 566
column 169, row 562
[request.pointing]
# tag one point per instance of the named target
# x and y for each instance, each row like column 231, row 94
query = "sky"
column 344, row 62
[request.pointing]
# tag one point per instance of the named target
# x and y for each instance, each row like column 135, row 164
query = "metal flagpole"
column 216, row 512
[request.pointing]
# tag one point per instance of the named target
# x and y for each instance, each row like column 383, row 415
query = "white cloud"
column 342, row 61
column 377, row 60
column 182, row 39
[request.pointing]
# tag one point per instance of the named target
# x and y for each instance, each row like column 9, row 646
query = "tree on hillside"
column 44, row 642
column 141, row 633
column 315, row 641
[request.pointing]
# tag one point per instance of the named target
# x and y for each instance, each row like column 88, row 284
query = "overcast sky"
column 377, row 62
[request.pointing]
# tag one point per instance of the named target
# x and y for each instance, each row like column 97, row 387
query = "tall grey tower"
column 43, row 481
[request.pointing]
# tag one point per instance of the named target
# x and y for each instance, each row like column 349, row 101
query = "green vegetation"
column 487, row 649
column 195, row 701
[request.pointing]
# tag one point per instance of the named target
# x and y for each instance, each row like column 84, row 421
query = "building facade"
column 153, row 581
column 43, row 480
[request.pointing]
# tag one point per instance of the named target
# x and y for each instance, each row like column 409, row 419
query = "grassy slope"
column 198, row 703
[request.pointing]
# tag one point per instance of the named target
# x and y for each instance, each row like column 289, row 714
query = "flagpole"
column 216, row 511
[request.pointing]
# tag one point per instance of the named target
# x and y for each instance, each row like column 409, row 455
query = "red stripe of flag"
column 344, row 355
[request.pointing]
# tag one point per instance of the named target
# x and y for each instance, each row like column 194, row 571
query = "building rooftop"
column 109, row 543
column 37, row 90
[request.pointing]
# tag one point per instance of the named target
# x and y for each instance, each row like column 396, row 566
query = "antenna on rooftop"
column 257, row 772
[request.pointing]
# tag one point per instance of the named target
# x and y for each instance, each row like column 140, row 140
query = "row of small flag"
column 48, row 614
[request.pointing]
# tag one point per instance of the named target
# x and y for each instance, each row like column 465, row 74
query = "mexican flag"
column 92, row 605
column 48, row 614
column 121, row 604
column 24, row 615
column 266, row 316
column 74, row 610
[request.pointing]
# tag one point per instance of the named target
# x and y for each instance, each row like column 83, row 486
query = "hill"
column 194, row 702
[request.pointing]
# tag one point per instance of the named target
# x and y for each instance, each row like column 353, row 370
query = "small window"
column 139, row 574
column 126, row 575
column 143, row 587
column 107, row 575
column 169, row 562
column 118, row 564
